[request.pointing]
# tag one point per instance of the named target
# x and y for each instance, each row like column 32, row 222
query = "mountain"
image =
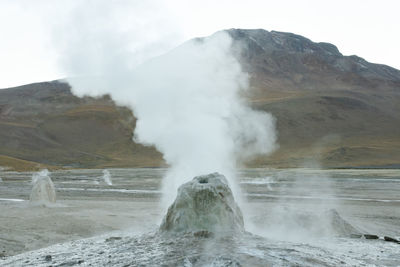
column 44, row 125
column 331, row 110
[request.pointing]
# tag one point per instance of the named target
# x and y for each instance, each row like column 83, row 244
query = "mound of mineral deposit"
column 43, row 190
column 205, row 204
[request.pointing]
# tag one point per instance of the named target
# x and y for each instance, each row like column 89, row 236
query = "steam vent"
column 43, row 190
column 205, row 204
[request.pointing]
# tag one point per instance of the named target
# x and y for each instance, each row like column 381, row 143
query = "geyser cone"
column 43, row 190
column 204, row 204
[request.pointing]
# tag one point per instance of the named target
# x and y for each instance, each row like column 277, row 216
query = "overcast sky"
column 33, row 33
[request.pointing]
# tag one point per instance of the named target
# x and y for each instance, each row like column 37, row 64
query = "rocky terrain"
column 300, row 217
column 331, row 110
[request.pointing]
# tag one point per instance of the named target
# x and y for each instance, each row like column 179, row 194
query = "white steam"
column 43, row 190
column 187, row 101
column 107, row 177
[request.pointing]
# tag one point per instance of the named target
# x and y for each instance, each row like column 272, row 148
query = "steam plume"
column 107, row 177
column 187, row 104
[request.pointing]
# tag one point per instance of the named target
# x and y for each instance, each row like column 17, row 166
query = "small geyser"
column 107, row 177
column 204, row 205
column 43, row 190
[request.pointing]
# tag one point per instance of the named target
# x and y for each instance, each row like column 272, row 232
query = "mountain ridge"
column 332, row 111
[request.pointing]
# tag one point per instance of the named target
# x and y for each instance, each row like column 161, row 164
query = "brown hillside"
column 332, row 111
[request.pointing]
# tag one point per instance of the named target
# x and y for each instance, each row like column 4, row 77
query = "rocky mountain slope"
column 332, row 111
column 44, row 123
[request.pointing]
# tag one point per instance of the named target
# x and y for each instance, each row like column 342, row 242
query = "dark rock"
column 113, row 238
column 355, row 235
column 205, row 234
column 47, row 258
column 367, row 236
column 390, row 239
column 69, row 263
column 225, row 261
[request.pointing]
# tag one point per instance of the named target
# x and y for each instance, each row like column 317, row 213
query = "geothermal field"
column 199, row 133
column 304, row 217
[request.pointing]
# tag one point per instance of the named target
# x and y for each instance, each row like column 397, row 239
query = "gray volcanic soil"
column 278, row 208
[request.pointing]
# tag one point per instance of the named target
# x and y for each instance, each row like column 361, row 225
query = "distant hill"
column 44, row 123
column 332, row 111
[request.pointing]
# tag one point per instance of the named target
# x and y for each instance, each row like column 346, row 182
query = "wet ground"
column 287, row 212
